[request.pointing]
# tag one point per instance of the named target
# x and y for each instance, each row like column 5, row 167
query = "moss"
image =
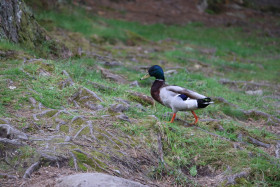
column 134, row 38
column 2, row 122
column 242, row 181
column 78, row 122
column 64, row 128
column 142, row 99
column 51, row 113
column 82, row 158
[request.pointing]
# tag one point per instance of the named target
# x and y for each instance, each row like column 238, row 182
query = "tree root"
column 160, row 150
column 91, row 130
column 4, row 175
column 258, row 143
column 277, row 151
column 245, row 83
column 14, row 142
column 213, row 134
column 31, row 169
column 231, row 179
column 270, row 119
column 74, row 160
column 77, row 134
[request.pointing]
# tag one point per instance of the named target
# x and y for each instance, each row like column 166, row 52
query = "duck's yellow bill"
column 146, row 76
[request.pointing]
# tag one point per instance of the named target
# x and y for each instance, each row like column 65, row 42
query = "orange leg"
column 196, row 118
column 173, row 117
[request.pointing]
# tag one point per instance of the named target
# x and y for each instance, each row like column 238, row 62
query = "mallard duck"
column 175, row 97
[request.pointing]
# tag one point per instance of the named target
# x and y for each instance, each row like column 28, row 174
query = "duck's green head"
column 155, row 71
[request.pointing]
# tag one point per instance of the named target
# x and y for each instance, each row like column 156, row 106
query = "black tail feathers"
column 202, row 103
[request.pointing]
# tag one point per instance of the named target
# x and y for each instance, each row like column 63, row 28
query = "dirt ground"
column 183, row 12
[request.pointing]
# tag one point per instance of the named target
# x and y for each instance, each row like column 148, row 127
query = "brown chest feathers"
column 155, row 90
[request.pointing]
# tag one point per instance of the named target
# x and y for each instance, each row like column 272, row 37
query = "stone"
column 140, row 107
column 95, row 180
column 123, row 118
column 134, row 84
column 208, row 51
column 112, row 77
column 93, row 106
column 32, row 101
column 67, row 139
column 256, row 92
column 153, row 117
column 118, row 108
column 112, row 63
column 170, row 72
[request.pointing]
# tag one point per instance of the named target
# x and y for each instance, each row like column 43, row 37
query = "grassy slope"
column 238, row 56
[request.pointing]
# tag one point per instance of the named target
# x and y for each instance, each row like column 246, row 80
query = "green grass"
column 238, row 56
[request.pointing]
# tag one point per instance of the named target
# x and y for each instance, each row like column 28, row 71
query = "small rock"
column 60, row 121
column 112, row 63
column 140, row 107
column 113, row 77
column 219, row 128
column 134, row 84
column 124, row 118
column 32, row 101
column 117, row 171
column 256, row 92
column 118, row 108
column 93, row 106
column 171, row 72
column 153, row 117
column 208, row 51
column 240, row 137
column 105, row 116
column 67, row 139
column 44, row 73
column 12, row 87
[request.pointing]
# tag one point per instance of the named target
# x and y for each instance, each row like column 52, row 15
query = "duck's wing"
column 179, row 90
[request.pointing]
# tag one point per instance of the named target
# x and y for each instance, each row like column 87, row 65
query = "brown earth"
column 184, row 12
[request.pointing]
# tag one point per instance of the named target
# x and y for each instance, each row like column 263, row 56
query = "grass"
column 239, row 56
